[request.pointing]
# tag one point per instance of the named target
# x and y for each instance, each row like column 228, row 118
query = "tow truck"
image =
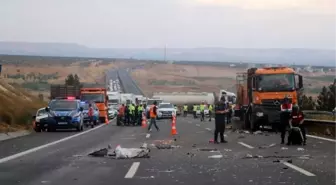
column 260, row 93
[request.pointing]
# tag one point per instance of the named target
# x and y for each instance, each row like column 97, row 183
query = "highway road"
column 129, row 86
column 62, row 158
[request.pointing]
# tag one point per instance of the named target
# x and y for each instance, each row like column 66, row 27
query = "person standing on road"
column 202, row 106
column 140, row 111
column 152, row 115
column 296, row 120
column 285, row 113
column 90, row 114
column 185, row 110
column 220, row 111
column 210, row 112
column 136, row 111
column 127, row 115
column 195, row 110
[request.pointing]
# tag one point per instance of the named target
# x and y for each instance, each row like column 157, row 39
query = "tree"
column 72, row 80
column 322, row 99
column 307, row 103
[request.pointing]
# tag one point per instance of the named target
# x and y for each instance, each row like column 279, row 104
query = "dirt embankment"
column 17, row 107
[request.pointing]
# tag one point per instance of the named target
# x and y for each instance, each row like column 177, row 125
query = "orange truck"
column 260, row 93
column 99, row 97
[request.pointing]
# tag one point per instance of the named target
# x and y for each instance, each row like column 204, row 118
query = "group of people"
column 131, row 114
column 291, row 117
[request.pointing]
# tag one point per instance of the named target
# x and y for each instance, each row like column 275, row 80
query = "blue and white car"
column 86, row 118
column 67, row 113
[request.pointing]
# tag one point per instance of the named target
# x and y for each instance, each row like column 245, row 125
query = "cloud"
column 310, row 6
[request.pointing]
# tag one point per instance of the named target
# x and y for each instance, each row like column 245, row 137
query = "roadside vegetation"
column 17, row 107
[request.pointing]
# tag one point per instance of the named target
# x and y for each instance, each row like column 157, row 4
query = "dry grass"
column 16, row 108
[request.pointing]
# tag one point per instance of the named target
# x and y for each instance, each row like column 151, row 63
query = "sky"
column 174, row 23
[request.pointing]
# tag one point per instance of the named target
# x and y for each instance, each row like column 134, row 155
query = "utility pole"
column 165, row 53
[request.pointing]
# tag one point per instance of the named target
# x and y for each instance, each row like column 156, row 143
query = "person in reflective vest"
column 152, row 115
column 202, row 106
column 210, row 112
column 131, row 108
column 296, row 120
column 185, row 110
column 286, row 108
column 194, row 111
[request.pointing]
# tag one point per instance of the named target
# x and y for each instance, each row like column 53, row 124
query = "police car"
column 67, row 113
column 86, row 118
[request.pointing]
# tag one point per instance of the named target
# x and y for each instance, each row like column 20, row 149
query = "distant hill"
column 276, row 56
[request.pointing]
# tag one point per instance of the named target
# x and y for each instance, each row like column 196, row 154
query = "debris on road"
column 122, row 153
column 304, row 157
column 284, row 148
column 300, row 149
column 127, row 153
column 166, row 146
column 215, row 156
column 258, row 132
column 207, row 149
column 267, row 146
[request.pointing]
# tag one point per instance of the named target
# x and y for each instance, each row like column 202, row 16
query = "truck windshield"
column 97, row 98
column 166, row 105
column 276, row 82
column 113, row 101
column 63, row 105
column 150, row 102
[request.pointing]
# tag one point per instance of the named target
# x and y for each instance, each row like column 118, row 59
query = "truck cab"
column 99, row 97
column 261, row 92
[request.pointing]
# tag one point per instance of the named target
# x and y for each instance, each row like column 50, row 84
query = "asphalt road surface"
column 245, row 159
column 129, row 86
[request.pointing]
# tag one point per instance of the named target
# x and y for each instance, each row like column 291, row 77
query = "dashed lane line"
column 209, row 129
column 131, row 172
column 147, row 136
column 246, row 145
column 307, row 173
column 321, row 138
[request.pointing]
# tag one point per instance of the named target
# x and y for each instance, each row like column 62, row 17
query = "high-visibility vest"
column 210, row 107
column 286, row 107
column 139, row 108
column 185, row 108
column 202, row 107
column 152, row 113
column 195, row 108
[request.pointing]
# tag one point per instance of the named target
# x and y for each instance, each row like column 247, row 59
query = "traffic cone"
column 144, row 121
column 173, row 130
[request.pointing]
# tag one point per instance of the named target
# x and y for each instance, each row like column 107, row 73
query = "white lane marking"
column 147, row 135
column 131, row 172
column 299, row 169
column 209, row 129
column 246, row 145
column 11, row 157
column 322, row 138
column 198, row 125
